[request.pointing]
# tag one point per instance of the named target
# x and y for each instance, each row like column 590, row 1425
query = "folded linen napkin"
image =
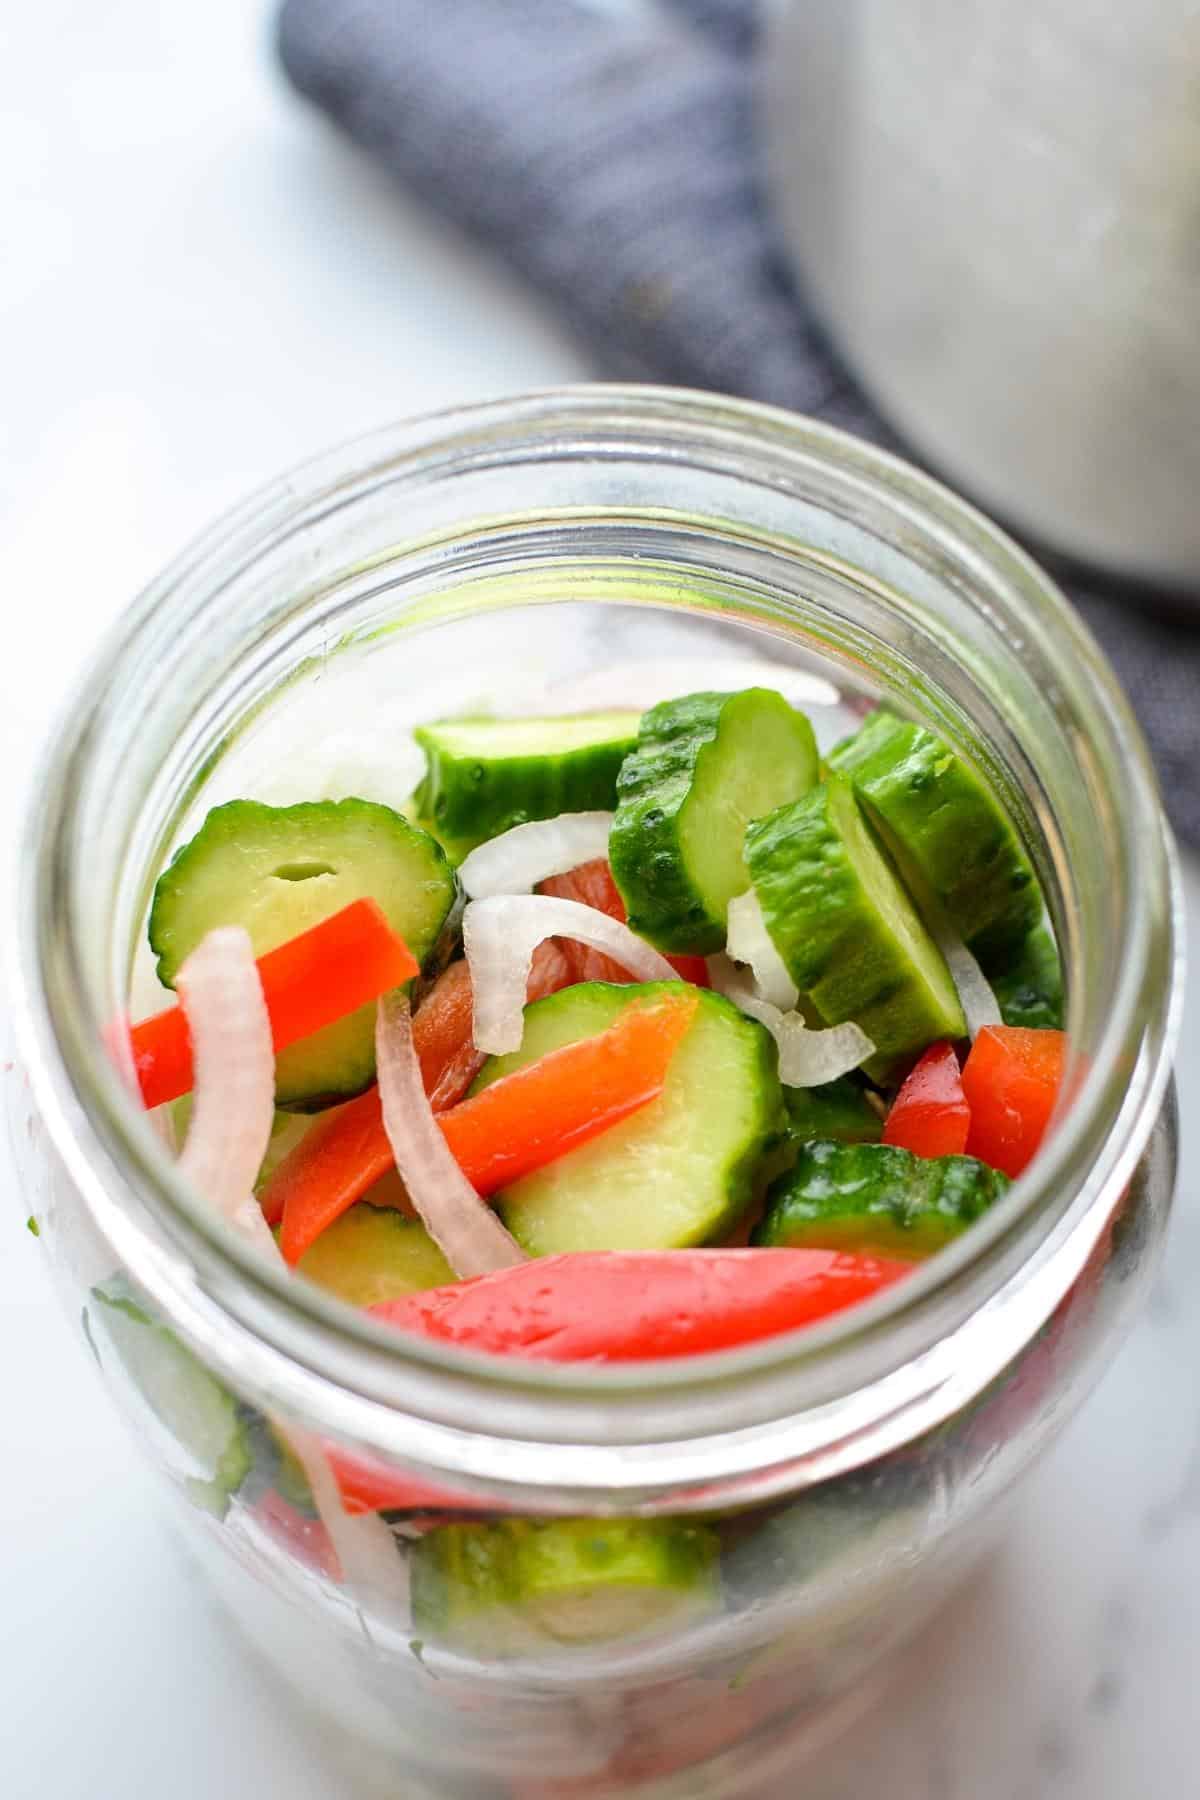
column 607, row 149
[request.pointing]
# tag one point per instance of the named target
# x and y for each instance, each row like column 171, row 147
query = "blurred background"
column 201, row 283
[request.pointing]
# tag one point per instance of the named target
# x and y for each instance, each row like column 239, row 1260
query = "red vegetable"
column 616, row 1306
column 319, row 976
column 519, row 1124
column 1011, row 1081
column 592, row 884
column 930, row 1115
column 443, row 1024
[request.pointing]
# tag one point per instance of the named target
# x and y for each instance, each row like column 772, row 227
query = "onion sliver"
column 749, row 941
column 500, row 936
column 517, row 860
column 463, row 1226
column 233, row 1094
column 807, row 1058
column 980, row 1005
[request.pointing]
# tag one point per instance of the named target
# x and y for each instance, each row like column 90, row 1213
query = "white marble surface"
column 196, row 288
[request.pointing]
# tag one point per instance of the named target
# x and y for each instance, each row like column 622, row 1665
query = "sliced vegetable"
column 704, row 767
column 615, row 1307
column 930, row 1115
column 483, row 776
column 951, row 838
column 679, row 1172
column 539, row 1113
column 308, row 983
column 848, row 933
column 807, row 1058
column 505, row 1587
column 1011, row 1081
column 592, row 885
column 500, row 937
column 372, row 1254
column 1029, row 985
column 443, row 1027
column 875, row 1199
column 750, row 942
column 838, row 1109
column 518, row 860
column 979, row 1004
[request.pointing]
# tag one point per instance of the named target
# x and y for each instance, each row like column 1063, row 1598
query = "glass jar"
column 840, row 1477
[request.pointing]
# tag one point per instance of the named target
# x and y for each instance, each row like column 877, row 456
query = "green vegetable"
column 1028, row 984
column 838, row 1109
column 680, row 1171
column 372, row 1254
column 482, row 776
column 950, row 837
column 31, row 1224
column 280, row 870
column 703, row 768
column 847, row 931
column 202, row 1416
column 877, row 1198
column 502, row 1588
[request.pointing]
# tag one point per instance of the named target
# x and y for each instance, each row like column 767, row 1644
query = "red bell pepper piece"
column 616, row 1306
column 592, row 884
column 1011, row 1081
column 319, row 976
column 930, row 1115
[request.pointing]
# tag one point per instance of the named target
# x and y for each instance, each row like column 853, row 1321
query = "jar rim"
column 867, row 1376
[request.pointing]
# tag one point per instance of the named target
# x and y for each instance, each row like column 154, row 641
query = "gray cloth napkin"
column 607, row 149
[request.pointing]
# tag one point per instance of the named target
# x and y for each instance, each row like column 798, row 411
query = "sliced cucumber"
column 681, row 1170
column 278, row 870
column 876, row 1197
column 484, row 775
column 1028, row 983
column 837, row 1109
column 704, row 767
column 950, row 837
column 503, row 1588
column 372, row 1254
column 847, row 931
column 200, row 1414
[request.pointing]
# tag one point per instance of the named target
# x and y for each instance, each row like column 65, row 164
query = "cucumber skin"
column 463, row 801
column 945, row 824
column 836, row 1109
column 662, row 903
column 876, row 1197
column 1028, row 985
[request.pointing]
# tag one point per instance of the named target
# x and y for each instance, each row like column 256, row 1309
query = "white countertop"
column 198, row 287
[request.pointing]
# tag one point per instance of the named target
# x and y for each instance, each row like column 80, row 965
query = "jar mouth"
column 863, row 1380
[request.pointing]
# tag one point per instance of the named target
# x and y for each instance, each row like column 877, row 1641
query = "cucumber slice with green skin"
column 837, row 1109
column 951, row 839
column 483, row 776
column 679, row 1171
column 197, row 1410
column 876, row 1198
column 506, row 1587
column 704, row 767
column 847, row 931
column 1028, row 984
column 372, row 1254
column 278, row 870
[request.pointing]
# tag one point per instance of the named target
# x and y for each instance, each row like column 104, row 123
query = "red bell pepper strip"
column 592, row 884
column 1011, row 1081
column 519, row 1124
column 930, row 1115
column 616, row 1306
column 319, row 976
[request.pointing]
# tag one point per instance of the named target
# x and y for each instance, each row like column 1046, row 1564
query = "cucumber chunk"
column 374, row 1253
column 278, row 870
column 1028, row 984
column 847, row 931
column 876, row 1198
column 483, row 776
column 837, row 1109
column 679, row 1171
column 951, row 839
column 507, row 1587
column 198, row 1411
column 704, row 767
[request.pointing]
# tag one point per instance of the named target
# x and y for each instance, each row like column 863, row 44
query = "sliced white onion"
column 980, row 1005
column 464, row 1227
column 807, row 1058
column 233, row 1092
column 749, row 941
column 500, row 936
column 517, row 860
